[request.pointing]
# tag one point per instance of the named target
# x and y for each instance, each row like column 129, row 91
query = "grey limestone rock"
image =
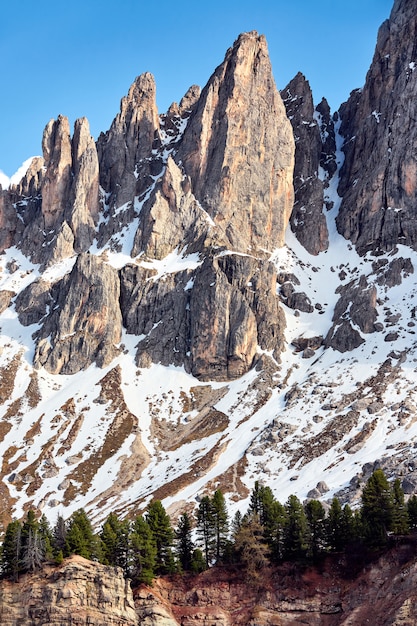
column 32, row 304
column 357, row 306
column 307, row 219
column 61, row 210
column 211, row 319
column 379, row 176
column 84, row 325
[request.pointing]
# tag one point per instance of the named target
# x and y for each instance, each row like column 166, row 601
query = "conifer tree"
column 115, row 541
column 45, row 533
column 59, row 535
column 10, row 554
column 198, row 562
column 205, row 528
column 33, row 553
column 250, row 546
column 162, row 531
column 412, row 512
column 80, row 537
column 295, row 530
column 32, row 550
column 220, row 522
column 184, row 543
column 335, row 527
column 143, row 552
column 400, row 521
column 316, row 516
column 377, row 509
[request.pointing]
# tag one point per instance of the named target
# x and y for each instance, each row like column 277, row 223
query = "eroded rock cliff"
column 77, row 593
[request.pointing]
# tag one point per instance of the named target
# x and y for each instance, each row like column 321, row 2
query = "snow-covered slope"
column 158, row 341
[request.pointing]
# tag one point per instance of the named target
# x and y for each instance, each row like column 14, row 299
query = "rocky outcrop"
column 351, row 592
column 233, row 310
column 238, row 149
column 172, row 219
column 211, row 319
column 379, row 177
column 307, row 219
column 125, row 149
column 77, row 593
column 344, row 591
column 59, row 195
column 84, row 325
column 355, row 309
column 56, row 184
column 10, row 225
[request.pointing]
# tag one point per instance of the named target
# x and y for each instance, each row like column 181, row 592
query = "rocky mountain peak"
column 307, row 219
column 56, row 147
column 229, row 149
column 123, row 150
column 379, row 177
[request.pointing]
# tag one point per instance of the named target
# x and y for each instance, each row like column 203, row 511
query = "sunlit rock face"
column 238, row 149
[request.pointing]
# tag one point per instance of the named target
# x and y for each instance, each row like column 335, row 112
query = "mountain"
column 216, row 295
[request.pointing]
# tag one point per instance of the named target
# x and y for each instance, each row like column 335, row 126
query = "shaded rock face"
column 211, row 319
column 78, row 592
column 355, row 307
column 84, row 325
column 379, row 177
column 238, row 149
column 307, row 219
column 10, row 225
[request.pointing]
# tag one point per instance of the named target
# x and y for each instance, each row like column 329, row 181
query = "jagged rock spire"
column 379, row 177
column 238, row 149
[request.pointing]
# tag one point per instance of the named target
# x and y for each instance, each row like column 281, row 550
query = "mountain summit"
column 215, row 295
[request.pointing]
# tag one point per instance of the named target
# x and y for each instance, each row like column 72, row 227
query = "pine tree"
column 185, row 546
column 59, row 536
column 220, row 522
column 377, row 509
column 295, row 530
column 335, row 527
column 115, row 541
column 255, row 500
column 198, row 562
column 143, row 552
column 400, row 522
column 10, row 554
column 45, row 533
column 80, row 537
column 160, row 525
column 205, row 528
column 412, row 512
column 33, row 552
column 316, row 515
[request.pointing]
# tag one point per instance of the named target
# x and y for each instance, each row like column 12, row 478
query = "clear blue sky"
column 79, row 57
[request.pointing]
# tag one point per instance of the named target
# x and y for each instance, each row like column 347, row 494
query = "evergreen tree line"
column 268, row 533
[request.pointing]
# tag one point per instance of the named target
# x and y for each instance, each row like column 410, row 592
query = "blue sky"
column 79, row 57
